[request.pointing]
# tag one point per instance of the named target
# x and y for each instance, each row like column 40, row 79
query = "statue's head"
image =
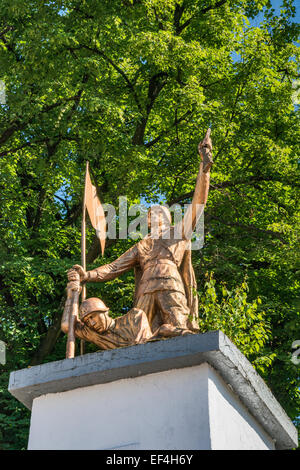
column 159, row 218
column 94, row 313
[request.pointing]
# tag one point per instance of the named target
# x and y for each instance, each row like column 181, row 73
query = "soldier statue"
column 165, row 301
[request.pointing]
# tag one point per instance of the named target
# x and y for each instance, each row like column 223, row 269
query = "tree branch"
column 6, row 43
column 63, row 201
column 18, row 125
column 83, row 13
column 228, row 184
column 249, row 228
column 154, row 88
column 179, row 9
column 167, row 131
column 37, row 142
column 115, row 66
column 180, row 28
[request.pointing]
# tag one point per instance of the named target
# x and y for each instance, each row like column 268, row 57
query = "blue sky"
column 276, row 5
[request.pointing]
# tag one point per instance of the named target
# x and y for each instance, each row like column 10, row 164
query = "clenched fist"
column 205, row 151
column 74, row 271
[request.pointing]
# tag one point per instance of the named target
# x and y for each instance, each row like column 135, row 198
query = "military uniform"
column 162, row 289
column 165, row 284
column 127, row 330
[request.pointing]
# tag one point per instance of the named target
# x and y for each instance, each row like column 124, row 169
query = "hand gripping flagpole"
column 71, row 312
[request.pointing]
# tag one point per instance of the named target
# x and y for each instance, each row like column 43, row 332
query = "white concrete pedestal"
column 194, row 392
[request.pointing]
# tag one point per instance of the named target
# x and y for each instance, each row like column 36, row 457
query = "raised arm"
column 199, row 200
column 110, row 271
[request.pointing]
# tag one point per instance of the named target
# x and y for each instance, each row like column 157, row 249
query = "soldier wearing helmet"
column 165, row 282
column 96, row 326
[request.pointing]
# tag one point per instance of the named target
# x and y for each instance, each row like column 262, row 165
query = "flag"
column 95, row 210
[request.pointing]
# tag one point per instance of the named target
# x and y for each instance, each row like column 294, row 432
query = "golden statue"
column 165, row 302
column 96, row 326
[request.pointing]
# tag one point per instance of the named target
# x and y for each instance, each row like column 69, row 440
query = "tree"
column 132, row 86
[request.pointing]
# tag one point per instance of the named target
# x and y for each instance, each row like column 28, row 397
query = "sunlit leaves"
column 81, row 79
column 231, row 312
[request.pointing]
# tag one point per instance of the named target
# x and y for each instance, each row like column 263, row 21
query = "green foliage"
column 242, row 321
column 131, row 86
column 14, row 419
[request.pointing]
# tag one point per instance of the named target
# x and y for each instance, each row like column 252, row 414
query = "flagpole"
column 83, row 245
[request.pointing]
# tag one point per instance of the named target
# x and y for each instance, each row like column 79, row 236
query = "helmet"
column 92, row 305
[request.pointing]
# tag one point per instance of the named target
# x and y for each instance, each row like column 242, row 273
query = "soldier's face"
column 98, row 321
column 158, row 219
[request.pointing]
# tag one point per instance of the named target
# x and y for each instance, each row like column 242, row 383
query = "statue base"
column 193, row 392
